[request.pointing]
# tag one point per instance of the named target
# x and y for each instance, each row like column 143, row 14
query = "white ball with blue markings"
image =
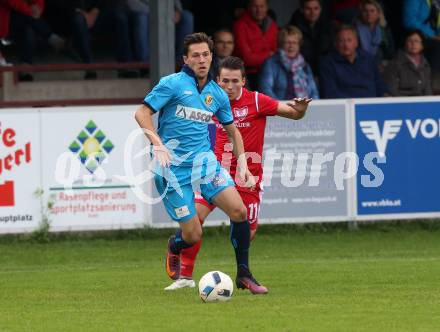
column 215, row 286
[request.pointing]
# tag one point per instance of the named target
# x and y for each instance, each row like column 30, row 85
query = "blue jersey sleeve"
column 224, row 113
column 160, row 95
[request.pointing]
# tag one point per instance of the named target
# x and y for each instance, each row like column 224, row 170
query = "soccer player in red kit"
column 250, row 110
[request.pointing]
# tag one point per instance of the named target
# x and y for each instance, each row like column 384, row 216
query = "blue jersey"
column 185, row 112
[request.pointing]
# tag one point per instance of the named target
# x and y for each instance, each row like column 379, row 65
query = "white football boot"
column 181, row 283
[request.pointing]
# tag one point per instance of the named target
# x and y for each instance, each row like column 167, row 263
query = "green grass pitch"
column 327, row 279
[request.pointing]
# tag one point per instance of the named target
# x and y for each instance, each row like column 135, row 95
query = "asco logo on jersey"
column 428, row 128
column 11, row 157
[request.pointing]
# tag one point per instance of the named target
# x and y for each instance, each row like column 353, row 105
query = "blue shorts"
column 178, row 184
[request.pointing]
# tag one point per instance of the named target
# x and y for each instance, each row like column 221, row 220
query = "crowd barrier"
column 347, row 160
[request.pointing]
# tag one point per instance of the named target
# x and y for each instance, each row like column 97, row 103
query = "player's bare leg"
column 229, row 200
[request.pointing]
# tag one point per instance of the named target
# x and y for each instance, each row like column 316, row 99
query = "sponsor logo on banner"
column 407, row 136
column 14, row 158
column 193, row 114
column 390, row 129
column 428, row 128
column 84, row 183
column 240, row 113
column 91, row 146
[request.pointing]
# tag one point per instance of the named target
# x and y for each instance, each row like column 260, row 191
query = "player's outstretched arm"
column 294, row 109
column 235, row 138
column 144, row 119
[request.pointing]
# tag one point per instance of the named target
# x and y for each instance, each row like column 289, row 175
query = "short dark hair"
column 410, row 32
column 232, row 63
column 197, row 38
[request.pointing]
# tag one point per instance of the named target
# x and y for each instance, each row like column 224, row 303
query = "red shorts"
column 251, row 201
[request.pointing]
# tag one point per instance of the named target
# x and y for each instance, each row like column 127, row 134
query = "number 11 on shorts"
column 253, row 210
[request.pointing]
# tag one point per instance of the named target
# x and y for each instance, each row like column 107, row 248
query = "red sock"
column 188, row 259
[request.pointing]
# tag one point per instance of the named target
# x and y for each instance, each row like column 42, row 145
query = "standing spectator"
column 316, row 31
column 425, row 16
column 286, row 75
column 374, row 35
column 184, row 25
column 91, row 17
column 22, row 21
column 409, row 74
column 256, row 38
column 223, row 47
column 349, row 72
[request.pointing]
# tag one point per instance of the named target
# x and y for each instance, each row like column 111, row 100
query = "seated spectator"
column 21, row 20
column 425, row 16
column 316, row 31
column 255, row 38
column 286, row 75
column 223, row 47
column 184, row 24
column 91, row 17
column 409, row 74
column 349, row 72
column 344, row 11
column 374, row 35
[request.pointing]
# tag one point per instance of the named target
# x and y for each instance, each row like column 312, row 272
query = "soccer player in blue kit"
column 186, row 102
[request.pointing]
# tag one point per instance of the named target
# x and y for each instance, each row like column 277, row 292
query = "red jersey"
column 250, row 110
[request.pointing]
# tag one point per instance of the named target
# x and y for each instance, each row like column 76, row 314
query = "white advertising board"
column 83, row 161
column 20, row 175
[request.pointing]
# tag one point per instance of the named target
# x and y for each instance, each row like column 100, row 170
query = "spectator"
column 316, row 31
column 409, row 74
column 223, row 47
column 91, row 17
column 256, row 38
column 349, row 72
column 22, row 21
column 184, row 24
column 374, row 35
column 286, row 75
column 425, row 16
column 344, row 11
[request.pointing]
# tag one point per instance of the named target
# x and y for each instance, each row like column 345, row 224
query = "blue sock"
column 240, row 238
column 178, row 243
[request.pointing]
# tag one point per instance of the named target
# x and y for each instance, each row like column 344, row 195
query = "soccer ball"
column 215, row 286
